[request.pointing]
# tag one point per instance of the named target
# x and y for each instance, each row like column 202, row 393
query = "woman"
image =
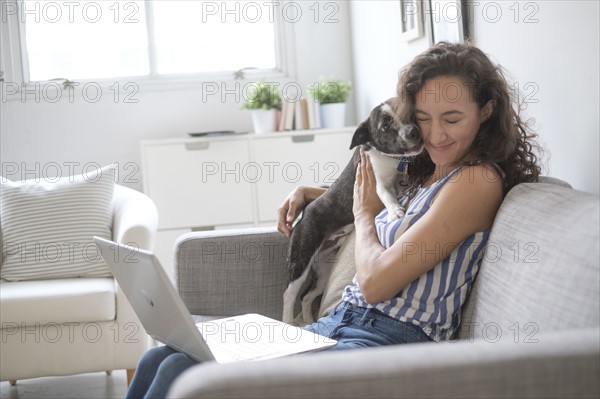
column 413, row 274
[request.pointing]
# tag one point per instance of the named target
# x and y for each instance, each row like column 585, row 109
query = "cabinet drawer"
column 287, row 162
column 199, row 183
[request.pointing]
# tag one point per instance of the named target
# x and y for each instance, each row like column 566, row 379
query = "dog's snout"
column 413, row 133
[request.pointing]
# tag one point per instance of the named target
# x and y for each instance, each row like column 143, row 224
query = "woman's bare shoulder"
column 475, row 192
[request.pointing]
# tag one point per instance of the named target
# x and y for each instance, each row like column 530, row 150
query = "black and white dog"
column 386, row 142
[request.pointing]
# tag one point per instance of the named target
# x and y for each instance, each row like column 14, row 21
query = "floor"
column 92, row 385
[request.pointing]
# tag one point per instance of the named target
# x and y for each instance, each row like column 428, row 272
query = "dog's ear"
column 361, row 135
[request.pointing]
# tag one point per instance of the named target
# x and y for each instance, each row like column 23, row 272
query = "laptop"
column 166, row 318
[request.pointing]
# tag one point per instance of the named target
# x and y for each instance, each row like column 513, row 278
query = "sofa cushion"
column 57, row 301
column 553, row 180
column 540, row 271
column 48, row 226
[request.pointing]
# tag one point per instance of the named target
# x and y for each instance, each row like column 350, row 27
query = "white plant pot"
column 333, row 115
column 264, row 120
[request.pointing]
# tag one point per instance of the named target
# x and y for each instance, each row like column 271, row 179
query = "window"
column 186, row 44
column 89, row 40
column 83, row 40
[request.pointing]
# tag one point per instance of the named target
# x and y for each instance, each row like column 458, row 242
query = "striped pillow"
column 48, row 226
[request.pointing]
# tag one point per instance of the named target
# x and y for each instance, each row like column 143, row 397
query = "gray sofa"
column 530, row 327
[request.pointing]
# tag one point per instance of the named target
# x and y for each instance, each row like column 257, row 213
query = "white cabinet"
column 308, row 159
column 234, row 181
column 189, row 180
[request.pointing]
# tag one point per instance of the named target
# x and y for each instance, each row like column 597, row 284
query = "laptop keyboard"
column 254, row 337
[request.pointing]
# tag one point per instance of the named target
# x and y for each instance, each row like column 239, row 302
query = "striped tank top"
column 434, row 300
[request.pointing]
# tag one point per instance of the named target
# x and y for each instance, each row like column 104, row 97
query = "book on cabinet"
column 302, row 114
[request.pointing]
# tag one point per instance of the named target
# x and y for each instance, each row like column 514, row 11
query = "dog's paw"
column 395, row 213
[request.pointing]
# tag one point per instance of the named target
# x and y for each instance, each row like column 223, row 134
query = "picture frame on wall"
column 449, row 20
column 411, row 20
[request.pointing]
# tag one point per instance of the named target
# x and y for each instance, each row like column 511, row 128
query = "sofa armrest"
column 135, row 218
column 564, row 364
column 231, row 272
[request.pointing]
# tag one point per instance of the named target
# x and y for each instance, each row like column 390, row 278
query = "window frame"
column 14, row 65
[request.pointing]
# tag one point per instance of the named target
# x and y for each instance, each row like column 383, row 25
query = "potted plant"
column 331, row 94
column 264, row 100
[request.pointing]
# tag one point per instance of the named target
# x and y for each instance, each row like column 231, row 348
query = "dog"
column 328, row 218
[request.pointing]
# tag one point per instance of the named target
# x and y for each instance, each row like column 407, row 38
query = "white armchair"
column 77, row 325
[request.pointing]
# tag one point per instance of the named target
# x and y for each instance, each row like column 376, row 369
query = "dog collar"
column 397, row 157
column 402, row 165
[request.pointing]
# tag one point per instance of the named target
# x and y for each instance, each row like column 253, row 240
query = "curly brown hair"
column 504, row 138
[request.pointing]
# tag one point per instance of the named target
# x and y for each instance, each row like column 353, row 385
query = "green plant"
column 263, row 95
column 331, row 90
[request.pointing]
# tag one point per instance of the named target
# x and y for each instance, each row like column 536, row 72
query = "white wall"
column 378, row 55
column 38, row 135
column 559, row 57
column 554, row 61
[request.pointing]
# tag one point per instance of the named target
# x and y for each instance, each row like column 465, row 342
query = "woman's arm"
column 464, row 206
column 294, row 204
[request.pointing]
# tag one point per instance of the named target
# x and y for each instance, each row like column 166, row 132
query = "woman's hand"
column 366, row 201
column 294, row 204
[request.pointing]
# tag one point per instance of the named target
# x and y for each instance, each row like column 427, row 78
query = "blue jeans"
column 351, row 326
column 355, row 327
column 156, row 371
